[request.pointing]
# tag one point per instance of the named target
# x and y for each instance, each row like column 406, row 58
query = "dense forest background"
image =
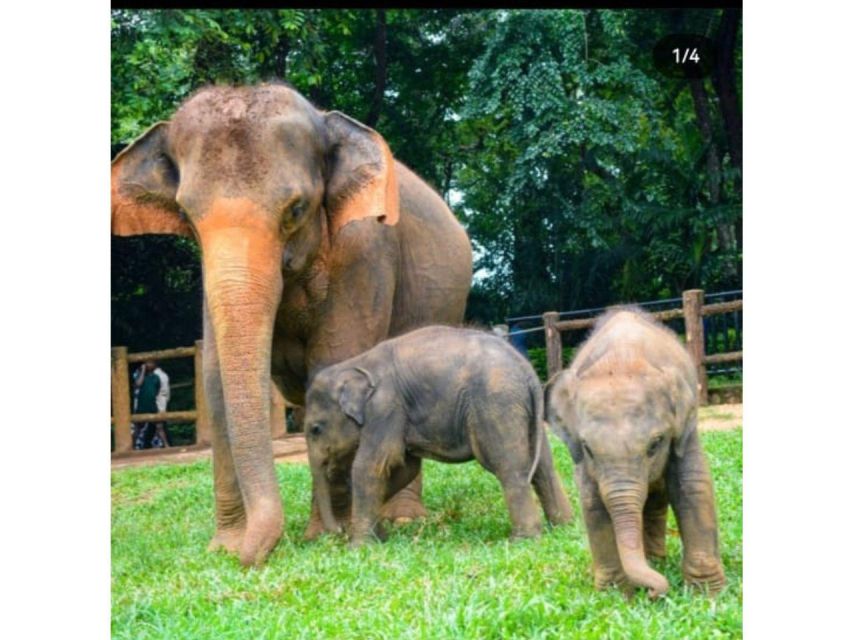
column 583, row 175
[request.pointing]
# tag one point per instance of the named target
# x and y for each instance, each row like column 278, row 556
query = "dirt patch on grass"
column 720, row 417
column 291, row 448
column 124, row 498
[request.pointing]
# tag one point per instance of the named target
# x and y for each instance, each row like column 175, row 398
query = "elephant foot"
column 404, row 507
column 606, row 578
column 228, row 539
column 315, row 526
column 701, row 570
column 357, row 543
column 525, row 533
column 560, row 518
column 263, row 531
column 374, row 536
column 314, row 529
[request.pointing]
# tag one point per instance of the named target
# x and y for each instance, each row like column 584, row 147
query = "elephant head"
column 622, row 422
column 334, row 415
column 264, row 182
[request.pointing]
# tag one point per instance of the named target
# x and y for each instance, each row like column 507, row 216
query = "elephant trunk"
column 242, row 284
column 323, row 495
column 624, row 503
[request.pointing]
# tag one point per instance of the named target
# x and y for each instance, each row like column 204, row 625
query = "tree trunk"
column 703, row 118
column 282, row 49
column 379, row 46
column 725, row 86
column 725, row 231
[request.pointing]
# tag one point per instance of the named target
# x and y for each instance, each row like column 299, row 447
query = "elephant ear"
column 355, row 391
column 683, row 396
column 557, row 392
column 361, row 180
column 144, row 182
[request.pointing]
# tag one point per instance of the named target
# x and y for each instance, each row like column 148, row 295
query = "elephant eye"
column 654, row 446
column 316, row 429
column 298, row 209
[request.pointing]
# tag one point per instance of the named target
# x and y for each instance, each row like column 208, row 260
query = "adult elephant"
column 316, row 244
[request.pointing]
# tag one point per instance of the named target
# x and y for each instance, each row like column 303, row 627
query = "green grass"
column 455, row 575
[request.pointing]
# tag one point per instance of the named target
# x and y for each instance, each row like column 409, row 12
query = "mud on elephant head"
column 259, row 158
column 297, row 213
column 627, row 410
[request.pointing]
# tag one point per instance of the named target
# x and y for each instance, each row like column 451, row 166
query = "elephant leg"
column 550, row 490
column 369, row 485
column 229, row 506
column 606, row 565
column 525, row 517
column 654, row 521
column 278, row 409
column 692, row 495
column 403, row 475
column 299, row 417
column 407, row 504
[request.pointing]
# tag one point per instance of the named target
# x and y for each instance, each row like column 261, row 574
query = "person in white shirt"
column 150, row 395
column 162, row 402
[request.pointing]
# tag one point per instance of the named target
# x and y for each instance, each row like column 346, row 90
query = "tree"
column 583, row 176
column 591, row 179
column 403, row 72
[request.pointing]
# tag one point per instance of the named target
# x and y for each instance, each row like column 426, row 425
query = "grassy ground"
column 454, row 575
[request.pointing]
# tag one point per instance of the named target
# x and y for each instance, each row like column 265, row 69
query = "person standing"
column 147, row 387
column 518, row 340
column 161, row 438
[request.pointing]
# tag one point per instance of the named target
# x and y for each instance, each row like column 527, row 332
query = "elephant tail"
column 537, row 430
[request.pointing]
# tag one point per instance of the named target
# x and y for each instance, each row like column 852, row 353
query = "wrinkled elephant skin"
column 627, row 409
column 445, row 394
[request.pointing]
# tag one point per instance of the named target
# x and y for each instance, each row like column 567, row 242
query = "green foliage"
column 581, row 174
column 539, row 359
column 454, row 575
column 586, row 183
column 722, row 380
column 181, row 433
column 156, row 292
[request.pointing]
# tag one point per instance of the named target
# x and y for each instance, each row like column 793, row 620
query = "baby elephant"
column 440, row 393
column 627, row 408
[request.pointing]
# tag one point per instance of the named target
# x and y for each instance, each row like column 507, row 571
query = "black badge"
column 684, row 55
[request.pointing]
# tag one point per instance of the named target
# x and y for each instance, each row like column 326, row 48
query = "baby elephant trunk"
column 323, row 496
column 625, row 507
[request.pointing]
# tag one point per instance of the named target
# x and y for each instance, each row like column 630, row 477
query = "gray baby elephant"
column 440, row 393
column 627, row 409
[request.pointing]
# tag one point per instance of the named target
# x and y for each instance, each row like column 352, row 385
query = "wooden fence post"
column 121, row 399
column 692, row 301
column 553, row 343
column 202, row 423
column 278, row 427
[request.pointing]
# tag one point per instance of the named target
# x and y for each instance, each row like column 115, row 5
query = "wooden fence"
column 693, row 309
column 121, row 398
